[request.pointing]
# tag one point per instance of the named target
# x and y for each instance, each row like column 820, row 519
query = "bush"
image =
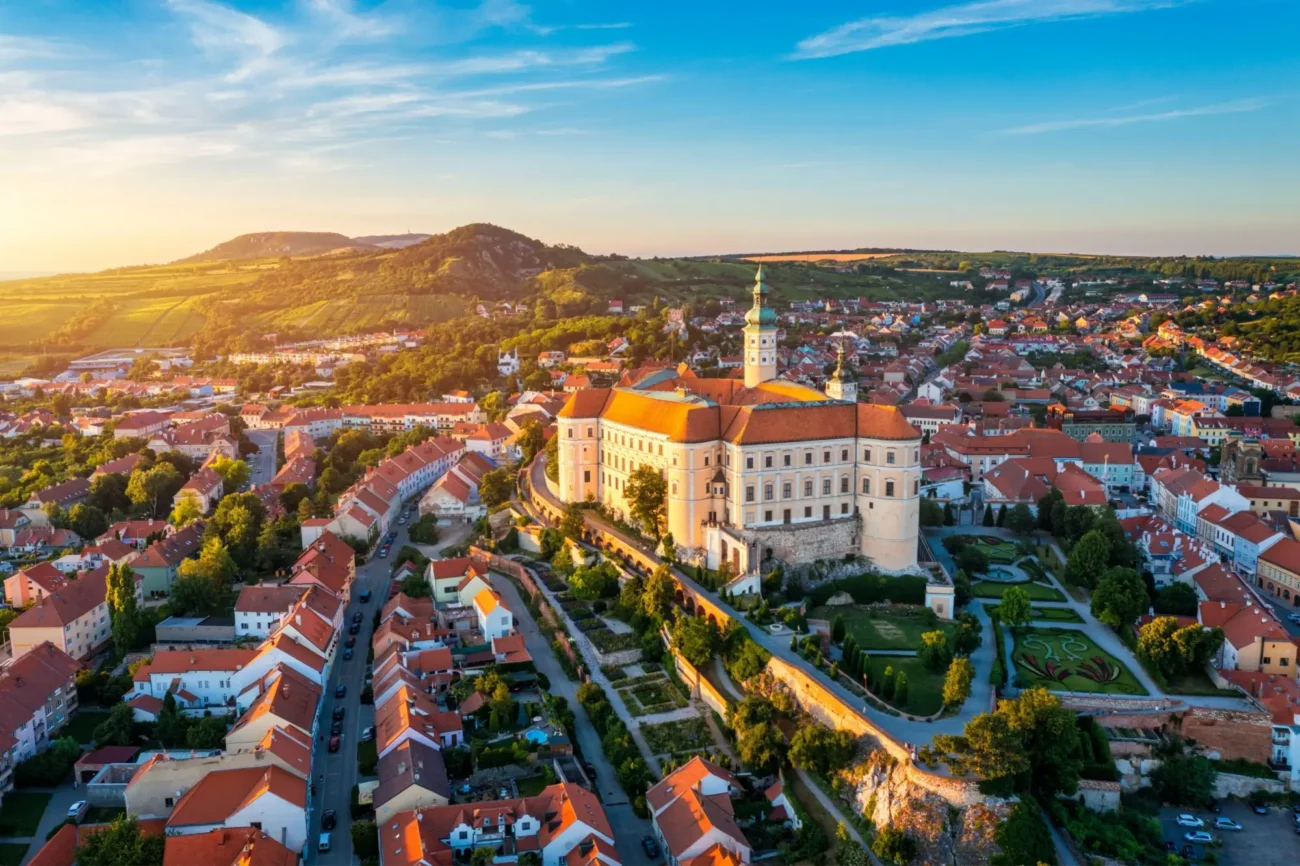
column 1024, row 837
column 365, row 839
column 894, row 846
column 871, row 588
column 49, row 768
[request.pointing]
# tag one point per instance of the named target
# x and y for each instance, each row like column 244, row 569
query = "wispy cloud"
column 517, row 61
column 14, row 48
column 883, row 31
column 346, row 22
column 221, row 30
column 1240, row 106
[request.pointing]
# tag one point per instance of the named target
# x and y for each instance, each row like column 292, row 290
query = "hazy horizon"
column 143, row 131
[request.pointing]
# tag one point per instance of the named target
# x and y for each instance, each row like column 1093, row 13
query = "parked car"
column 339, row 713
column 365, row 596
column 334, row 744
column 336, row 728
column 350, row 642
column 650, row 847
column 341, row 691
column 367, row 735
column 1295, row 617
column 1226, row 824
column 357, row 617
column 383, row 554
column 347, row 654
column 1259, row 808
column 1199, row 836
column 77, row 809
column 1188, row 852
column 354, row 628
column 324, row 843
column 1185, row 820
column 329, row 820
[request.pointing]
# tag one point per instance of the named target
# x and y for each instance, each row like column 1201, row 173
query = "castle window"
column 889, row 456
column 706, row 460
column 749, row 493
column 866, row 485
column 586, row 476
column 807, row 458
column 767, row 516
column 807, row 512
column 674, row 488
column 749, row 462
column 807, row 488
column 767, row 492
column 785, row 459
column 826, row 487
column 916, row 487
column 826, row 512
column 916, row 454
column 661, row 451
column 786, row 491
column 767, row 461
column 826, row 456
column 844, row 454
column 889, row 488
column 844, row 484
column 866, row 455
column 570, row 432
column 589, row 431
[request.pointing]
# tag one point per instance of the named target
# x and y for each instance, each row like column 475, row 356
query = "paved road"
column 340, row 769
column 56, row 812
column 629, row 830
column 262, row 464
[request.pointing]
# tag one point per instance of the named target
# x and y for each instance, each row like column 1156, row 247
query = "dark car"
column 336, row 728
column 357, row 617
column 1259, row 809
column 650, row 846
column 340, row 691
column 350, row 642
column 340, row 712
column 354, row 628
column 365, row 596
column 347, row 654
column 334, row 744
column 1171, row 847
column 329, row 820
column 1187, row 852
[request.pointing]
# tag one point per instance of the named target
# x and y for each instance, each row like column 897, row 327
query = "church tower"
column 842, row 386
column 760, row 336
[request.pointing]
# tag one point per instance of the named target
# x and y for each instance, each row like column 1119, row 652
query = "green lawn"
column 531, row 786
column 878, row 630
column 1068, row 660
column 81, row 727
column 1049, row 614
column 20, row 814
column 924, row 687
column 1037, row 591
column 12, row 853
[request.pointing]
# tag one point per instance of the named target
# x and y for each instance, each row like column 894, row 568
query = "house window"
column 749, row 493
column 844, row 508
column 826, row 487
column 807, row 488
column 785, row 459
column 866, row 455
column 586, row 475
column 749, row 462
column 570, row 432
column 767, row 492
column 889, row 488
column 844, row 484
column 844, row 454
column 168, row 802
column 866, row 485
column 807, row 458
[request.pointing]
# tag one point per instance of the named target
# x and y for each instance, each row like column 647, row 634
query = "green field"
column 876, row 630
column 1068, row 660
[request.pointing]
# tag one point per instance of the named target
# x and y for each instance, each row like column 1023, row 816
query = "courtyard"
column 1069, row 660
column 884, row 627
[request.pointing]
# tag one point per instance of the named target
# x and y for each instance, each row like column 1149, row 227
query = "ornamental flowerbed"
column 1068, row 660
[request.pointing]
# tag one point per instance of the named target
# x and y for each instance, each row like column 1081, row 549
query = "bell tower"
column 760, row 336
column 842, row 386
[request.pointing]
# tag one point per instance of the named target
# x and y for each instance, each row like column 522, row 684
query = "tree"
column 820, row 750
column 571, row 524
column 496, row 487
column 152, row 488
column 935, row 652
column 972, row 560
column 87, row 521
column 931, row 513
column 761, row 747
column 660, row 588
column 592, row 582
column 1024, row 838
column 966, row 639
column 120, row 596
column 293, row 495
column 1045, row 506
column 203, row 585
column 1088, row 559
column 1120, row 597
column 532, row 439
column 1176, row 599
column 988, row 515
column 893, row 845
column 696, row 638
column 957, row 682
column 838, row 629
column 425, row 529
column 1015, row 608
column 962, row 590
column 186, row 511
column 118, row 729
column 365, row 839
column 238, row 520
column 900, row 689
column 1184, row 780
column 1021, row 520
column 108, row 493
column 234, row 473
column 1050, row 737
column 122, row 843
column 987, row 748
column 948, row 518
column 646, row 493
column 1002, row 514
column 1175, row 650
column 553, row 459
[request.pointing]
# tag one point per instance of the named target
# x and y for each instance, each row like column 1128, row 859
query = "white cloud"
column 882, row 31
column 1238, row 107
column 345, row 22
column 518, row 61
column 23, row 117
column 14, row 48
column 219, row 29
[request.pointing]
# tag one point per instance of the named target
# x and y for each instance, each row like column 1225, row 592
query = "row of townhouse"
column 368, row 508
column 1254, row 639
column 454, row 497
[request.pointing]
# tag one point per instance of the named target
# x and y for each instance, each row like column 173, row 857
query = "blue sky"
column 144, row 130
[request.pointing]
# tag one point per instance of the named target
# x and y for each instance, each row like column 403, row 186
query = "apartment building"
column 73, row 618
column 39, row 695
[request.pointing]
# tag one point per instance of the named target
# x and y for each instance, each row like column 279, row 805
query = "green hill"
column 262, row 245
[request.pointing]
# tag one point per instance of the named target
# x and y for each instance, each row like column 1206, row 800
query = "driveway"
column 629, row 830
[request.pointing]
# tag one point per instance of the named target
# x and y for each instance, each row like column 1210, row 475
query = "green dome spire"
column 760, row 313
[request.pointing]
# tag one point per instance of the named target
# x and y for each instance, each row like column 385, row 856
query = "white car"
column 1186, row 820
column 1199, row 836
column 75, row 810
column 1226, row 824
column 1295, row 617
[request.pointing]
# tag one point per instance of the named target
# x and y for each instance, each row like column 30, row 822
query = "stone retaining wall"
column 700, row 686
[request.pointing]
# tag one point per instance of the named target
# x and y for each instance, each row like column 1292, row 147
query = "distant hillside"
column 391, row 242
column 265, row 245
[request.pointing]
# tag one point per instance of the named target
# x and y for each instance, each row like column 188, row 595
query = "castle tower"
column 760, row 336
column 841, row 386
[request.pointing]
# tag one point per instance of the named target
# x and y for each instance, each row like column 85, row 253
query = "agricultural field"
column 1069, row 660
column 819, row 257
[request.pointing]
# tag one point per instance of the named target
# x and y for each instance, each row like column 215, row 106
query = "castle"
column 756, row 468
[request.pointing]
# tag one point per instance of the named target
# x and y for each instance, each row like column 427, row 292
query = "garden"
column 21, row 813
column 884, row 626
column 675, row 738
column 1044, row 614
column 1036, row 591
column 998, row 550
column 924, row 689
column 1068, row 660
column 650, row 694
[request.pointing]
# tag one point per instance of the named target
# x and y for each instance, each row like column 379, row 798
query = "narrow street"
column 262, row 464
column 629, row 830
